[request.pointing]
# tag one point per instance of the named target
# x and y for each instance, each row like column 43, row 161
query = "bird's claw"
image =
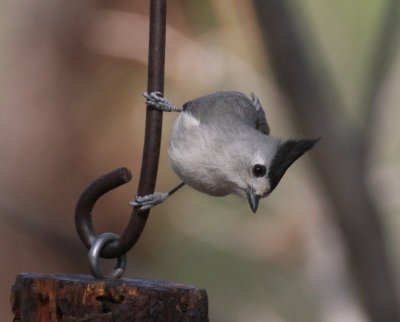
column 142, row 203
column 156, row 100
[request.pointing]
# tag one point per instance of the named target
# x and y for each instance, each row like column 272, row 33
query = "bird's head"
column 261, row 167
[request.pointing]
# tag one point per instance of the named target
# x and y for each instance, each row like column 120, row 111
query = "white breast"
column 191, row 156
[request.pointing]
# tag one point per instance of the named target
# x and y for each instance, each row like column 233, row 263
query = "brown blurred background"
column 322, row 247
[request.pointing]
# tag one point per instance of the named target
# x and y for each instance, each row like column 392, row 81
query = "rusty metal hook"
column 150, row 158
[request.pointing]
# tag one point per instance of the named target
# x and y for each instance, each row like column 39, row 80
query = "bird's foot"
column 160, row 103
column 142, row 203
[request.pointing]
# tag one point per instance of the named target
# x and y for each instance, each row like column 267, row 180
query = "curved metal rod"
column 151, row 151
column 89, row 197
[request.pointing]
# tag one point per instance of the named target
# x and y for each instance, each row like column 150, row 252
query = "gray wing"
column 228, row 109
column 262, row 124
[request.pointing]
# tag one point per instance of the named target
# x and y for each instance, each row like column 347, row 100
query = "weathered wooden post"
column 52, row 297
column 73, row 298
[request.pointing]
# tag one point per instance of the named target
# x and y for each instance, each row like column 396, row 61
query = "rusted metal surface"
column 49, row 298
column 151, row 152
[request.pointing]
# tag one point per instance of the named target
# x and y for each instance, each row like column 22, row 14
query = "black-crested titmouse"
column 221, row 144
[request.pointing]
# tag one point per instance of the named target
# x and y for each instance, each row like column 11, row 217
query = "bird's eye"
column 259, row 170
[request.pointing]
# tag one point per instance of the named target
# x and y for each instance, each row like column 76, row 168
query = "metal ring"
column 94, row 255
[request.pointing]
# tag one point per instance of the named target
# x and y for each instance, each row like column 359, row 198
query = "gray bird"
column 221, row 144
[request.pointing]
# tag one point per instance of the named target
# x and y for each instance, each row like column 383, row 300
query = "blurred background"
column 323, row 247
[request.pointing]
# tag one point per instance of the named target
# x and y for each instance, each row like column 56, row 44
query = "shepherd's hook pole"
column 150, row 158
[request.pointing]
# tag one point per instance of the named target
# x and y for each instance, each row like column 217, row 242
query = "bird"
column 221, row 144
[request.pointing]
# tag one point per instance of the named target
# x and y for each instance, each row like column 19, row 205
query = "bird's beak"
column 253, row 199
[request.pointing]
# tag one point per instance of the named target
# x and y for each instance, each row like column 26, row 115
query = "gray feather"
column 227, row 108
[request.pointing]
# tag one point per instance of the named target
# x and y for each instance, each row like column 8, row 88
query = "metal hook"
column 151, row 152
column 85, row 205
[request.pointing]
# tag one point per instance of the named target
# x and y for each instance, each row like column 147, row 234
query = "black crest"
column 287, row 153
